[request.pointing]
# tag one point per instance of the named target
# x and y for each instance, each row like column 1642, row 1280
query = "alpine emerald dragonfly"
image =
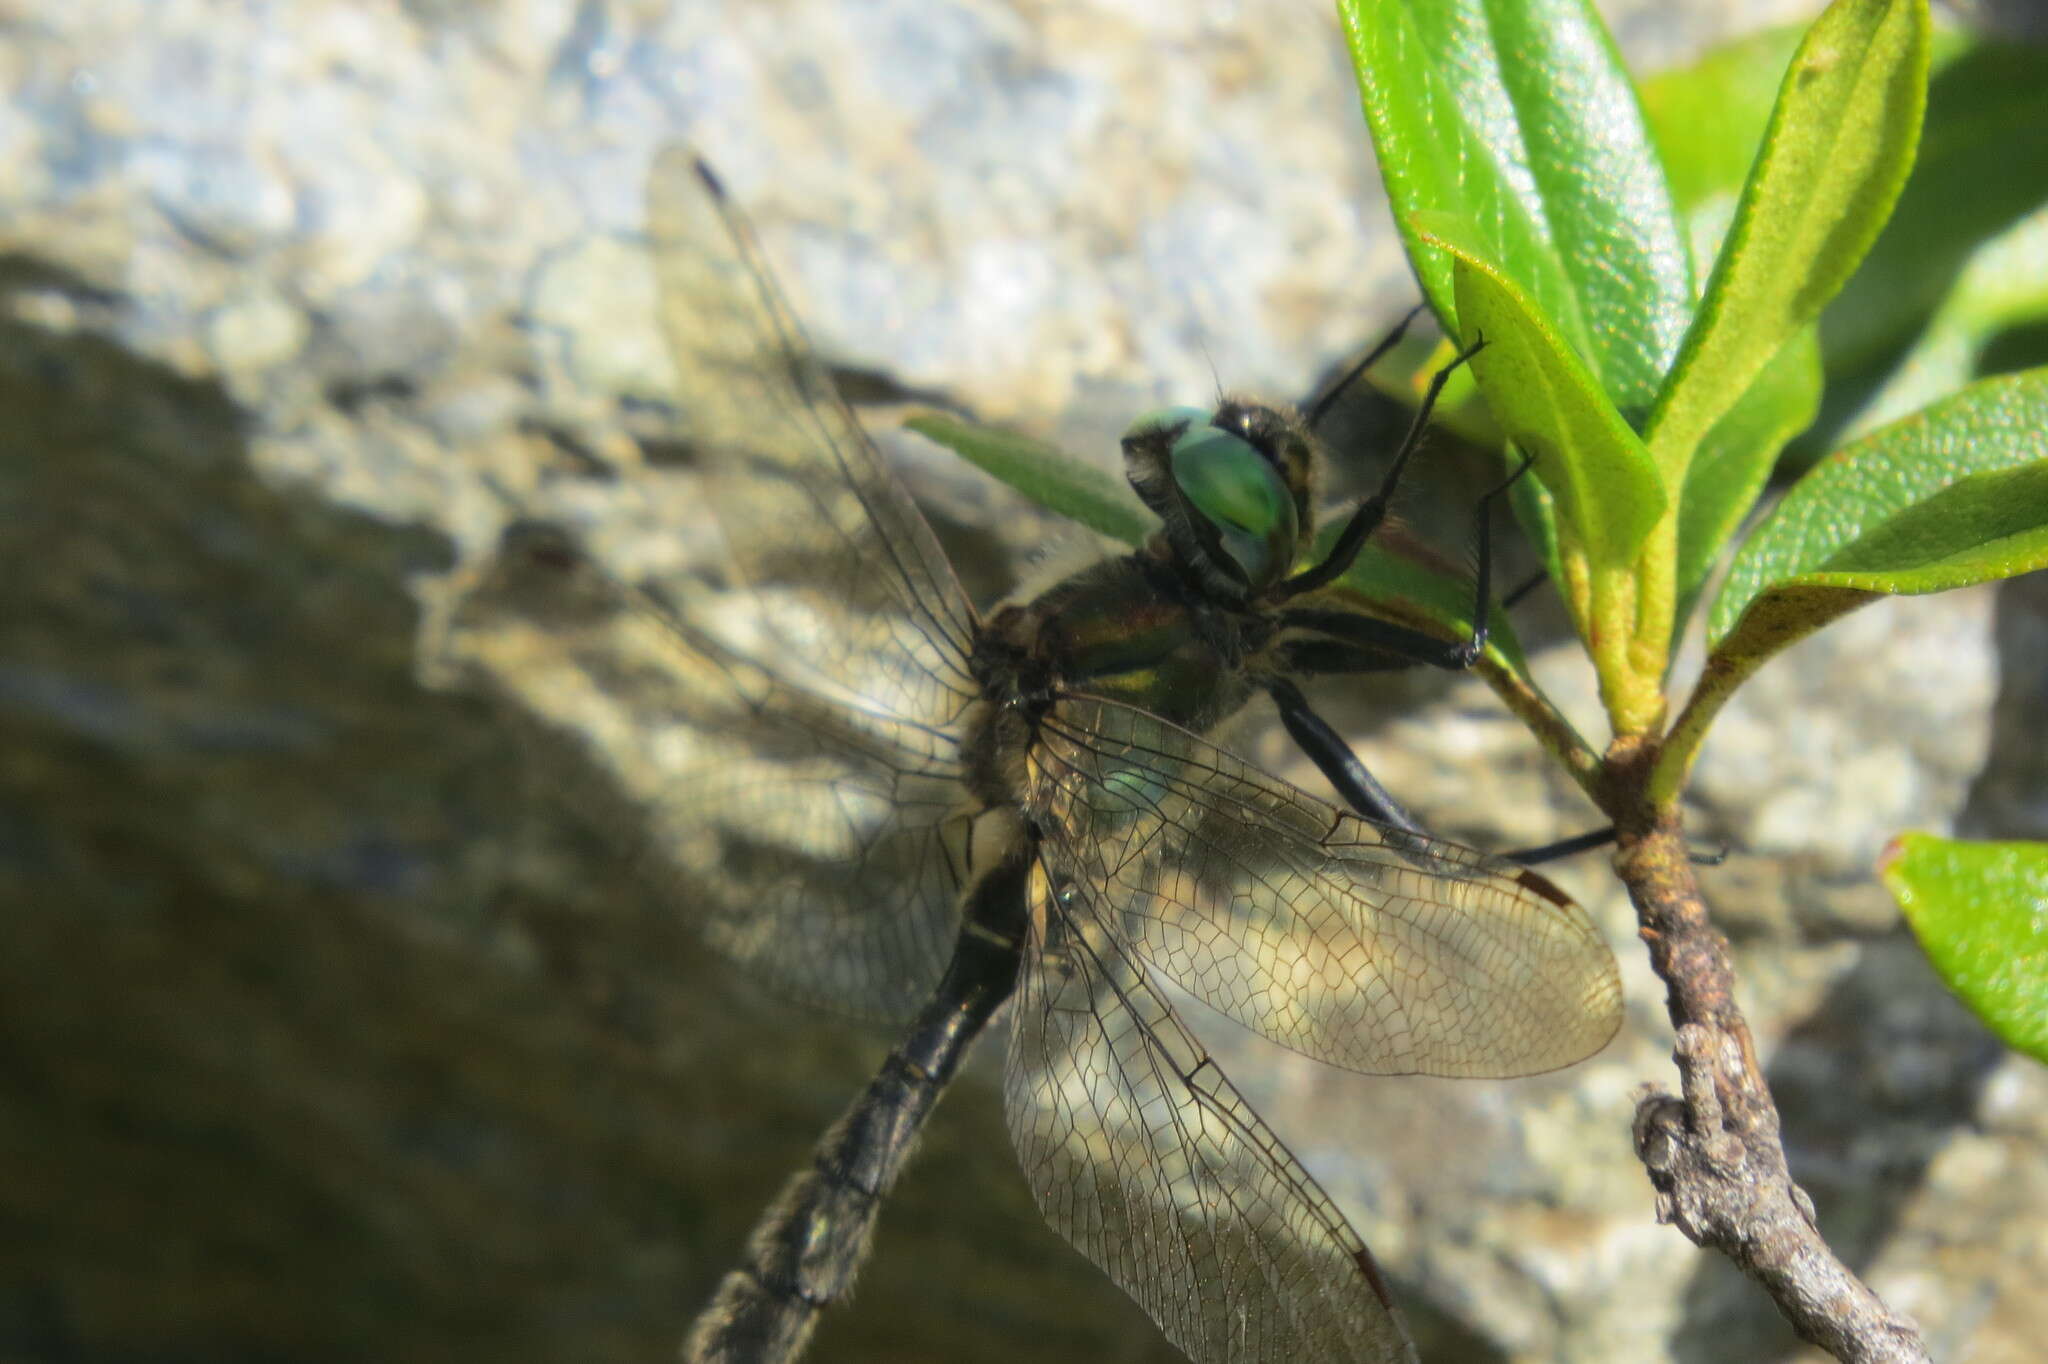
column 899, row 806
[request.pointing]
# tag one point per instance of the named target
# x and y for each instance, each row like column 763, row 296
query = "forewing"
column 841, row 650
column 785, row 705
column 817, row 845
column 1143, row 1155
column 1360, row 945
column 842, row 578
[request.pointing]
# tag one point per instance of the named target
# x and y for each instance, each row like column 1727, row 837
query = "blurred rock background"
column 338, row 1017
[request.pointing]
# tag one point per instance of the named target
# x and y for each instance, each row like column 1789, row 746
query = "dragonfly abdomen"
column 803, row 1255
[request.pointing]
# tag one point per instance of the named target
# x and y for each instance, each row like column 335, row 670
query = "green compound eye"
column 1241, row 495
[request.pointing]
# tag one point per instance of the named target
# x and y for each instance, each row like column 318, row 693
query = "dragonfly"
column 905, row 808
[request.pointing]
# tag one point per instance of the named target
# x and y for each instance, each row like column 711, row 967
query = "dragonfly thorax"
column 1132, row 629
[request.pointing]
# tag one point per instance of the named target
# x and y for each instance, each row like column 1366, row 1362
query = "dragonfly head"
column 1234, row 488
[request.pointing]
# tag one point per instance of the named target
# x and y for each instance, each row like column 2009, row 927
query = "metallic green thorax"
column 1132, row 630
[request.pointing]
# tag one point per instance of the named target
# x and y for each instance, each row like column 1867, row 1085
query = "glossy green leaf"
column 1708, row 119
column 1839, row 145
column 1980, row 911
column 1728, row 472
column 1995, row 424
column 1517, row 123
column 1048, row 476
column 1979, row 529
column 1953, row 496
column 1606, row 491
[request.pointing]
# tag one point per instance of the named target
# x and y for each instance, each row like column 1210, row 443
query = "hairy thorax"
column 1126, row 629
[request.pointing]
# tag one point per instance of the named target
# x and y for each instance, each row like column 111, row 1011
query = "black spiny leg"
column 1345, row 641
column 1327, row 750
column 1373, row 510
column 1360, row 643
column 1372, row 357
column 1363, row 792
column 1564, row 847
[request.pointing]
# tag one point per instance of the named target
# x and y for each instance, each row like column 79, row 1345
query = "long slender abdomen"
column 804, row 1252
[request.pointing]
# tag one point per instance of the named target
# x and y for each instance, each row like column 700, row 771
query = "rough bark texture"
column 1716, row 1156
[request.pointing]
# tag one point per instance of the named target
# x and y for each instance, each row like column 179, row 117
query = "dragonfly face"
column 903, row 808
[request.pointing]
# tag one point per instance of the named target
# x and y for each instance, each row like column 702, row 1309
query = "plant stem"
column 1715, row 1156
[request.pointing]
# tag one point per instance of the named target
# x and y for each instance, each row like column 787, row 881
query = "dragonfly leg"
column 1373, row 510
column 1363, row 792
column 1354, row 642
column 1521, row 590
column 1327, row 750
column 1372, row 357
column 1563, row 847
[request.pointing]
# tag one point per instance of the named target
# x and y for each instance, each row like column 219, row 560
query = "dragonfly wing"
column 839, row 573
column 1360, row 945
column 814, row 844
column 1143, row 1155
column 836, row 662
column 787, row 711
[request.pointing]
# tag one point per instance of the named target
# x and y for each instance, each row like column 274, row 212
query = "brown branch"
column 1715, row 1155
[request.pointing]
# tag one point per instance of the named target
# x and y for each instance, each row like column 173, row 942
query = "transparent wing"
column 816, row 845
column 789, row 713
column 841, row 578
column 832, row 678
column 1141, row 1154
column 1363, row 946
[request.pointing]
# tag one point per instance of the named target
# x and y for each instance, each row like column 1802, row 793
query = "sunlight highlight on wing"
column 1358, row 945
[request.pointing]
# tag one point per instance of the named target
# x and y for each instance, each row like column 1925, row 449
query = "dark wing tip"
column 709, row 177
column 1543, row 886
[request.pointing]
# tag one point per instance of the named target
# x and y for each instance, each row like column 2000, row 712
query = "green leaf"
column 1725, row 476
column 1606, row 491
column 1980, row 911
column 1709, row 117
column 1953, row 496
column 1048, row 476
column 1995, row 424
column 1518, row 123
column 1982, row 528
column 1979, row 529
column 1838, row 148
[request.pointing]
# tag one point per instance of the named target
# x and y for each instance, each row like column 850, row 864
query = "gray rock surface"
column 339, row 1017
